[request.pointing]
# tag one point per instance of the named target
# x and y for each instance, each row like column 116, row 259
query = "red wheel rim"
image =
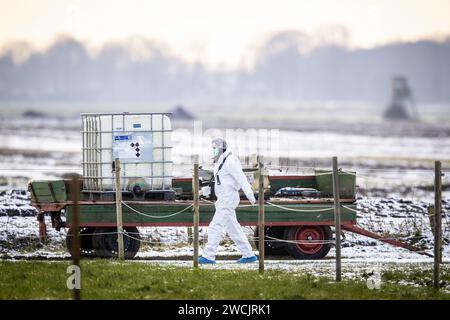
column 310, row 233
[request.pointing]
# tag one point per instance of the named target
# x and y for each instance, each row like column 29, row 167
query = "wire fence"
column 390, row 202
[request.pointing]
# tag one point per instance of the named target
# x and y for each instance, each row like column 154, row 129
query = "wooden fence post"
column 437, row 223
column 261, row 213
column 195, row 191
column 337, row 217
column 121, row 250
column 75, row 192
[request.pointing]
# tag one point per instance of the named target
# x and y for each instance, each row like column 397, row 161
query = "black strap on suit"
column 220, row 167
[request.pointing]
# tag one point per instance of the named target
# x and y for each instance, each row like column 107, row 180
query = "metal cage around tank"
column 97, row 154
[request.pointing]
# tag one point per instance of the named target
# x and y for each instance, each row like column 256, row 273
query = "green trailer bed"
column 161, row 214
column 298, row 227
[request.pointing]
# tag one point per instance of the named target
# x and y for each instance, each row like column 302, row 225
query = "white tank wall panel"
column 141, row 141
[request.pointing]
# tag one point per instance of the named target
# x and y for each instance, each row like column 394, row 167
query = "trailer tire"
column 86, row 248
column 105, row 242
column 271, row 247
column 305, row 233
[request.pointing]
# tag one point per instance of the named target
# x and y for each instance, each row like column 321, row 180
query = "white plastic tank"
column 142, row 142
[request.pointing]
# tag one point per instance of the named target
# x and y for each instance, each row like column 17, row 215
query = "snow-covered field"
column 394, row 178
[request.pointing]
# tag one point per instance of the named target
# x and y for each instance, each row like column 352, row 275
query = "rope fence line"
column 286, row 208
column 278, row 206
column 410, row 218
column 254, row 238
column 359, row 171
column 350, row 209
column 360, row 174
column 352, row 171
column 157, row 217
column 272, row 239
column 267, row 202
column 298, row 210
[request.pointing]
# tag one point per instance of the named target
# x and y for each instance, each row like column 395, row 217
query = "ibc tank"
column 142, row 142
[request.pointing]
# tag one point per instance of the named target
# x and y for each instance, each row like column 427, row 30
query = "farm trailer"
column 298, row 227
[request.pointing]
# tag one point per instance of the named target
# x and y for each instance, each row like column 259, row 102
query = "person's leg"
column 215, row 234
column 236, row 233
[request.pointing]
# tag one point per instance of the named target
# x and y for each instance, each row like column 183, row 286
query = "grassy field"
column 103, row 279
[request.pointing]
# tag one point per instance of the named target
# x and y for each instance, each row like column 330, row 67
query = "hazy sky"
column 220, row 32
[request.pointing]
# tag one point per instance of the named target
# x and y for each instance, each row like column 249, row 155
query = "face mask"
column 216, row 152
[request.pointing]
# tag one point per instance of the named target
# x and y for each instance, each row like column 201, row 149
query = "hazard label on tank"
column 133, row 147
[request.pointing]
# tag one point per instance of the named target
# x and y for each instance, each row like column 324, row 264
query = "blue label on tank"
column 136, row 125
column 127, row 137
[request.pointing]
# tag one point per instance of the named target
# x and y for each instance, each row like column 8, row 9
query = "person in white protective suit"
column 229, row 179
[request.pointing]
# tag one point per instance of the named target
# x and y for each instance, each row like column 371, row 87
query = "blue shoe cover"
column 247, row 260
column 203, row 260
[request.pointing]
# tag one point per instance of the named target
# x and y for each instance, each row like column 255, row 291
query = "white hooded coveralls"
column 232, row 179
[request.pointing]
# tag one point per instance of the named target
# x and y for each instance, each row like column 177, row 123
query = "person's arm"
column 235, row 169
